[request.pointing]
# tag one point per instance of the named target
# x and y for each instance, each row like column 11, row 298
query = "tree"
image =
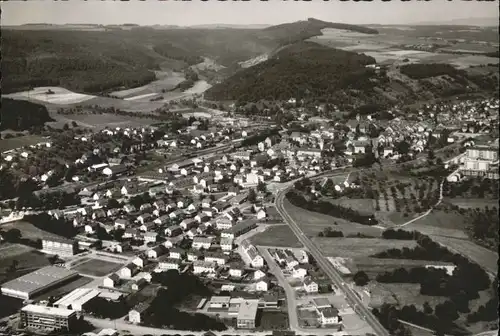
column 13, row 235
column 261, row 187
column 74, row 124
column 427, row 308
column 361, row 278
column 446, row 311
column 113, row 204
column 252, row 196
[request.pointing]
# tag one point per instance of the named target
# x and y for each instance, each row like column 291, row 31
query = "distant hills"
column 96, row 58
column 480, row 22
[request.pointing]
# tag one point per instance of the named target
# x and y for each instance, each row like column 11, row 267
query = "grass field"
column 401, row 294
column 61, row 96
column 312, row 222
column 96, row 267
column 358, row 247
column 28, row 230
column 472, row 203
column 25, row 140
column 276, row 235
column 488, row 259
column 359, row 204
column 27, row 262
column 440, row 223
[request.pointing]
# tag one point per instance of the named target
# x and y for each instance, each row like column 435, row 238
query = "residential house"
column 309, row 285
column 202, row 242
column 128, row 271
column 111, row 281
column 203, row 266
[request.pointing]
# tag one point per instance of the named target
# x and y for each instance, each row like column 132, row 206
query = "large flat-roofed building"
column 60, row 247
column 49, row 318
column 247, row 314
column 77, row 299
column 36, row 282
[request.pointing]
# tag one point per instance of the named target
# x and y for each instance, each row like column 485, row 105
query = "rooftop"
column 47, row 310
column 248, row 310
column 39, row 279
column 79, row 295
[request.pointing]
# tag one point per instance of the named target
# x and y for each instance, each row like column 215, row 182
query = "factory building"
column 34, row 283
column 77, row 299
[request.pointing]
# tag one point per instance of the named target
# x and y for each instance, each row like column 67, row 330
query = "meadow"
column 276, row 235
column 96, row 267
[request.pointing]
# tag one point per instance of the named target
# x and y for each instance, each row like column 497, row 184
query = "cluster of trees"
column 472, row 188
column 20, row 115
column 50, row 224
column 361, row 278
column 330, row 209
column 304, row 69
column 15, row 236
column 365, row 160
column 427, row 70
column 426, row 250
column 256, row 138
column 102, row 308
column 329, row 232
column 488, row 311
column 400, row 234
column 176, row 288
column 439, row 319
column 485, row 227
column 47, row 201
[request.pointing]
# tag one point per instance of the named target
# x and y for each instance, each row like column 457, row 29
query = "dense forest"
column 420, row 71
column 20, row 115
column 302, row 70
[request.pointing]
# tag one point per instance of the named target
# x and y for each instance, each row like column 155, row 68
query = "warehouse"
column 77, row 299
column 36, row 282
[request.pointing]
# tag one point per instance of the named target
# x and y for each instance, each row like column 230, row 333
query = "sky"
column 196, row 12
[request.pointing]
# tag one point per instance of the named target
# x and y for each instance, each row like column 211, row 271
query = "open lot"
column 358, row 247
column 276, row 235
column 96, row 267
column 312, row 222
column 17, row 142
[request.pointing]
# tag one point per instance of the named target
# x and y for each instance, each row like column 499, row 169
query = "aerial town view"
column 280, row 168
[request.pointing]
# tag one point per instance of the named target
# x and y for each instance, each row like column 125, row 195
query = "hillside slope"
column 304, row 69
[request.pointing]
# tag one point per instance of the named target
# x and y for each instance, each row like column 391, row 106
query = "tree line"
column 330, row 209
column 20, row 115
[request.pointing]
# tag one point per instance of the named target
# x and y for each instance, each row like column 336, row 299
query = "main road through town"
column 352, row 299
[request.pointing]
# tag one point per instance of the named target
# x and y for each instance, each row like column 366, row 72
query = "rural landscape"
column 305, row 177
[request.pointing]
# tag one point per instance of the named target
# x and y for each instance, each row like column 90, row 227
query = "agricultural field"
column 397, row 43
column 167, row 80
column 17, row 142
column 358, row 247
column 312, row 222
column 100, row 121
column 60, row 96
column 276, row 235
column 96, row 267
column 439, row 222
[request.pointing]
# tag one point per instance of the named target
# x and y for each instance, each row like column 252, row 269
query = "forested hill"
column 20, row 115
column 304, row 69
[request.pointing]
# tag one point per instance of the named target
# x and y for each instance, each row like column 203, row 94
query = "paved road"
column 352, row 299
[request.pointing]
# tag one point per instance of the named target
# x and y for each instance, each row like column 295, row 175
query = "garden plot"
column 60, row 96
